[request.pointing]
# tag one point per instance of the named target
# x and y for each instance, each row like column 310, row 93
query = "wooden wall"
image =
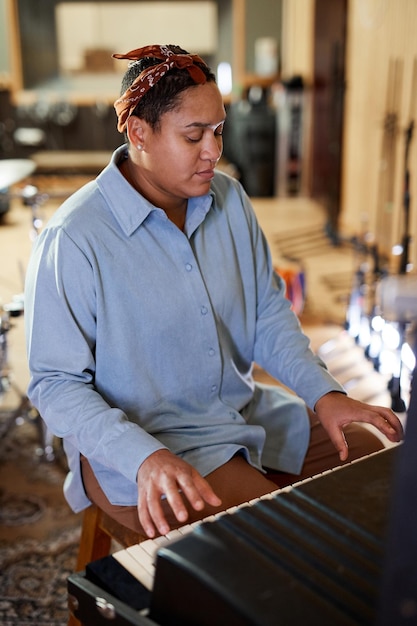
column 297, row 39
column 381, row 34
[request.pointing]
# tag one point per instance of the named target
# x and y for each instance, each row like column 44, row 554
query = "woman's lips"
column 206, row 174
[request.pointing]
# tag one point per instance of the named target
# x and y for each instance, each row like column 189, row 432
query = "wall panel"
column 381, row 34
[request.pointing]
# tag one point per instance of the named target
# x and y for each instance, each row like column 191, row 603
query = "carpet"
column 34, row 580
column 39, row 534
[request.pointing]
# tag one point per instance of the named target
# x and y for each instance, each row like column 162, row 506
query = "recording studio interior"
column 321, row 102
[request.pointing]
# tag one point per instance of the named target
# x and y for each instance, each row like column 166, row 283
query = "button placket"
column 205, row 312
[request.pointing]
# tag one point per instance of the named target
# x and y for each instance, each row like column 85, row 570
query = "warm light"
column 364, row 333
column 224, row 78
column 408, row 357
column 390, row 337
column 385, row 362
column 375, row 346
column 377, row 323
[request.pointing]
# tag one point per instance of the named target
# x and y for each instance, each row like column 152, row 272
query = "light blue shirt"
column 141, row 336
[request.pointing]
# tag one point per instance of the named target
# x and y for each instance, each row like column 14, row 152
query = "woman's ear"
column 135, row 131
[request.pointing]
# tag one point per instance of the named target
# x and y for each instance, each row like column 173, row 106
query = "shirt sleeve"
column 281, row 347
column 60, row 319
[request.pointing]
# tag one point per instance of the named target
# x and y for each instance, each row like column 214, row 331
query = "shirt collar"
column 131, row 209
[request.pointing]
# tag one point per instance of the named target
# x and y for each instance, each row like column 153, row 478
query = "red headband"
column 151, row 75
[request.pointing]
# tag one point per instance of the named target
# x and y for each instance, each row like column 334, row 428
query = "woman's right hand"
column 164, row 473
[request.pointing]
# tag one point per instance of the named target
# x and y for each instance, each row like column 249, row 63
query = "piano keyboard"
column 140, row 559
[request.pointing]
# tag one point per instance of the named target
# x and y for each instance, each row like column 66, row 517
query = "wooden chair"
column 98, row 532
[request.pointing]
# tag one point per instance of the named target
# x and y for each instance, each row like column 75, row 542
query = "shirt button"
column 213, row 387
column 211, row 352
column 188, row 267
column 204, row 310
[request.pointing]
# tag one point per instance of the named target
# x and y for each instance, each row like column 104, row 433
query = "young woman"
column 150, row 294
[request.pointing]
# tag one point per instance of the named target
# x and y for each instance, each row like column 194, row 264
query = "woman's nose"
column 213, row 148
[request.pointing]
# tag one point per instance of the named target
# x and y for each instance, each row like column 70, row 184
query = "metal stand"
column 24, row 412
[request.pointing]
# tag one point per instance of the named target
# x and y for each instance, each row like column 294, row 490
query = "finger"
column 199, row 493
column 387, row 423
column 338, row 439
column 145, row 520
column 151, row 514
column 392, row 433
column 343, row 452
column 395, row 424
column 176, row 501
column 206, row 492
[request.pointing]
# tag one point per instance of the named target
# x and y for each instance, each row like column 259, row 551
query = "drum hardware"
column 12, row 171
column 381, row 314
column 24, row 412
column 382, row 310
column 33, row 199
column 397, row 297
column 404, row 284
column 394, row 328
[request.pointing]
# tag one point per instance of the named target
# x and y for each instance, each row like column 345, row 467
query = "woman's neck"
column 176, row 211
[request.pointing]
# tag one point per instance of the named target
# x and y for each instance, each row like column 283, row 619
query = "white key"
column 134, row 567
column 146, row 560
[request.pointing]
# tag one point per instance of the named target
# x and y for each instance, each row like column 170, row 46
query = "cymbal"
column 14, row 170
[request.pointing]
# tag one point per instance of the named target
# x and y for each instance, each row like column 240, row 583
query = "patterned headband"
column 151, row 75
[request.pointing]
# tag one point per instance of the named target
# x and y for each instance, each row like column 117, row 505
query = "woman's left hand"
column 336, row 410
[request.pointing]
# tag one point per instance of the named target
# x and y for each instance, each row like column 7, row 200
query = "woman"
column 149, row 296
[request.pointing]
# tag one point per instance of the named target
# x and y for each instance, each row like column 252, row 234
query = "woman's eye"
column 218, row 132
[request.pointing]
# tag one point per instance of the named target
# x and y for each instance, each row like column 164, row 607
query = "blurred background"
column 321, row 98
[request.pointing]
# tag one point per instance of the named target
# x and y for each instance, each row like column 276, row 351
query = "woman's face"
column 178, row 160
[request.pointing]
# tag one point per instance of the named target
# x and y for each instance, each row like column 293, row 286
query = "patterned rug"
column 34, row 580
column 38, row 533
